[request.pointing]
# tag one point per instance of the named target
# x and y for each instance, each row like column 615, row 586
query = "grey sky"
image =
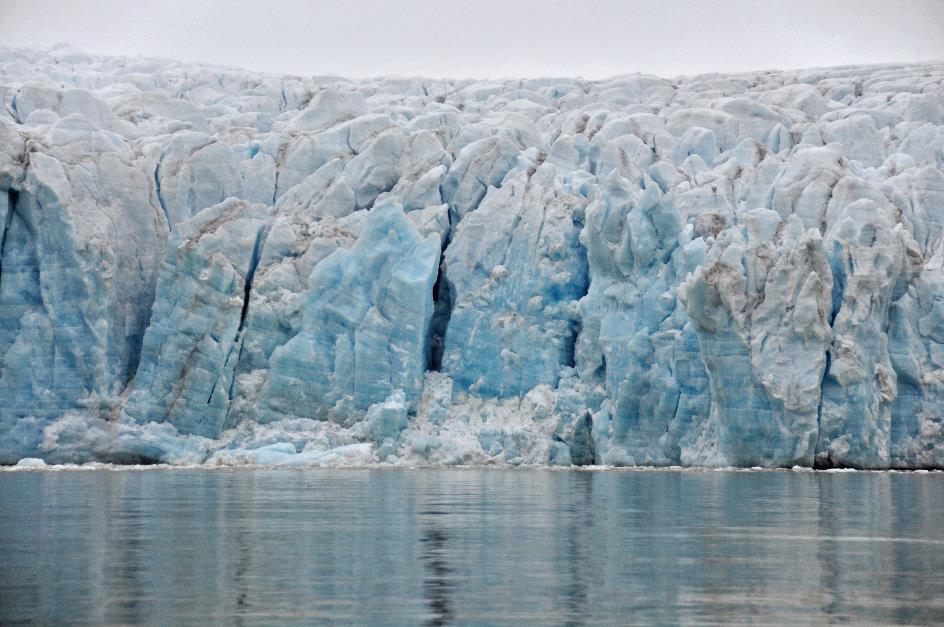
column 489, row 38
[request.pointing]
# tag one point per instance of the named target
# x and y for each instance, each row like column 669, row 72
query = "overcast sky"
column 489, row 38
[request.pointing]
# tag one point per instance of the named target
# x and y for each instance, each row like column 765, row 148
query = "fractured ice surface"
column 202, row 265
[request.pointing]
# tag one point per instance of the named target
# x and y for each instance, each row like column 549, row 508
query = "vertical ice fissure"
column 244, row 312
column 12, row 198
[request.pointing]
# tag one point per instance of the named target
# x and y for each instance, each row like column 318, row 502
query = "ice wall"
column 208, row 265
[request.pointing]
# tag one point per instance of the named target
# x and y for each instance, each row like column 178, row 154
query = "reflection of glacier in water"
column 438, row 580
column 207, row 265
column 472, row 546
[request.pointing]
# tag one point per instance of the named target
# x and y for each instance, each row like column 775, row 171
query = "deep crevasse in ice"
column 209, row 265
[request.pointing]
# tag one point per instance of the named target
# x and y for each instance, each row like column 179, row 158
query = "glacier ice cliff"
column 204, row 265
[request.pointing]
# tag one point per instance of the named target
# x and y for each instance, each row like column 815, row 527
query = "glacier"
column 207, row 265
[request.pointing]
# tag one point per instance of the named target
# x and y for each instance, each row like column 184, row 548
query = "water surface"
column 470, row 546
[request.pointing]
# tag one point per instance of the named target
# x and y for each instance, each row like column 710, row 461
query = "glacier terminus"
column 205, row 265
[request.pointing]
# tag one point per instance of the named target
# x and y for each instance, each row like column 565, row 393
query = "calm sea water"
column 470, row 546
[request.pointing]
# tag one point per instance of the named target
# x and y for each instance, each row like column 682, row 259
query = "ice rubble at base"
column 204, row 265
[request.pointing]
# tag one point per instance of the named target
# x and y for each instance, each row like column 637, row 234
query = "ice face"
column 365, row 326
column 205, row 265
column 759, row 303
column 192, row 346
column 514, row 287
column 81, row 241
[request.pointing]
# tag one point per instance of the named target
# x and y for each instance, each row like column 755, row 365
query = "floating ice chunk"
column 30, row 462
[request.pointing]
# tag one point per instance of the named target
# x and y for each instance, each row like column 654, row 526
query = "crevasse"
column 212, row 266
